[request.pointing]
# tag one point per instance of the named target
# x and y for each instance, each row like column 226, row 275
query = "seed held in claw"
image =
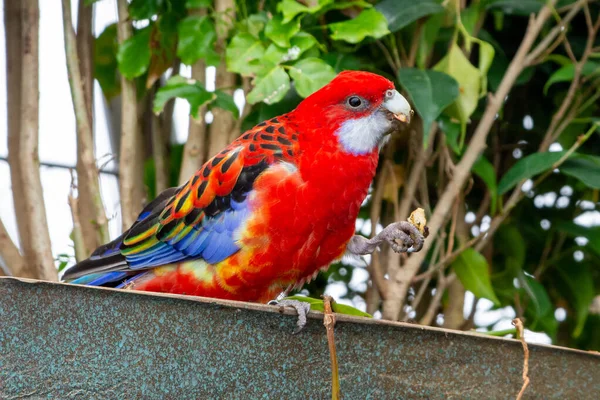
column 418, row 220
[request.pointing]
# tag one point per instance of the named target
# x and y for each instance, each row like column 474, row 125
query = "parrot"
column 271, row 210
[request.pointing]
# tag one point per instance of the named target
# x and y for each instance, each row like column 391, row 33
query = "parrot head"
column 357, row 109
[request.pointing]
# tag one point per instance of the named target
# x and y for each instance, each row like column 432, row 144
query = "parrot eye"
column 354, row 101
column 389, row 94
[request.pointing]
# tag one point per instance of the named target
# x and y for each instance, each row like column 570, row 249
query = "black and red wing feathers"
column 172, row 228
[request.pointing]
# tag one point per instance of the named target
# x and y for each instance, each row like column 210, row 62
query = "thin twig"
column 387, row 55
column 414, row 44
column 410, row 187
column 442, row 284
column 419, row 296
column 519, row 325
column 453, row 225
column 329, row 322
column 78, row 241
column 446, row 261
column 554, row 32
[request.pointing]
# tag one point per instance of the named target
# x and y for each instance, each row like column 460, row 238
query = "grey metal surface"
column 68, row 342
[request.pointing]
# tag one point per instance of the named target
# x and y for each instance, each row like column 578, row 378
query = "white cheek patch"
column 360, row 136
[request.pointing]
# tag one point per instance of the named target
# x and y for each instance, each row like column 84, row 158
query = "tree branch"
column 129, row 130
column 400, row 282
column 10, row 256
column 94, row 224
column 546, row 42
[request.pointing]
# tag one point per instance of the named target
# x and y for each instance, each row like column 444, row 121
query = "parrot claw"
column 403, row 237
column 411, row 240
column 301, row 308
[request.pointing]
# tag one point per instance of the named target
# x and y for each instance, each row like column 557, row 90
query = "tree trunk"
column 40, row 254
column 194, row 152
column 14, row 62
column 223, row 122
column 92, row 218
column 129, row 131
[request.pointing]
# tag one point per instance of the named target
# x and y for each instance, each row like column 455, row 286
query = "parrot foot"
column 301, row 308
column 403, row 237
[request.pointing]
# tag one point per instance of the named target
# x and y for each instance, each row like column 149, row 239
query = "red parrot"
column 270, row 210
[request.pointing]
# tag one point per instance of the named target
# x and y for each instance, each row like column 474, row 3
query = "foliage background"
column 503, row 153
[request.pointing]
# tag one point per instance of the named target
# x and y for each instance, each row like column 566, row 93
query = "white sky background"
column 57, row 144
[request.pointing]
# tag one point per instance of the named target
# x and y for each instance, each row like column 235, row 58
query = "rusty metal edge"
column 312, row 314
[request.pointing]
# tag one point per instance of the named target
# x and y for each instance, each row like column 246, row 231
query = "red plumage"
column 303, row 195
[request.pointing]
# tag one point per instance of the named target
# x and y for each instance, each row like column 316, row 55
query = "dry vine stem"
column 519, row 325
column 329, row 322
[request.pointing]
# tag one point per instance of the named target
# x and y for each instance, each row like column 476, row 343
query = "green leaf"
column 485, row 170
column 105, row 62
column 291, row 8
column 63, row 260
column 538, row 295
column 340, row 308
column 310, row 75
column 473, row 271
column 143, row 9
column 318, row 305
column 299, row 44
column 539, row 312
column 518, row 7
column 134, row 54
column 270, row 87
column 275, row 54
column 302, row 41
column 189, row 89
column 451, row 131
column 584, row 167
column 567, row 73
column 430, row 91
column 254, row 24
column 281, row 33
column 429, row 35
column 580, row 282
column 574, row 230
column 368, row 23
column 469, row 80
column 197, row 37
column 526, row 168
column 241, row 51
column 513, row 247
column 486, row 56
column 198, row 3
column 469, row 17
column 401, row 13
column 225, row 101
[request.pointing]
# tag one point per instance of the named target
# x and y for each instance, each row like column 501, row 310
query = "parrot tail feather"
column 95, row 265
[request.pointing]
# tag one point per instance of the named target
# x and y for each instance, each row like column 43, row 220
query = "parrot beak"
column 396, row 104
